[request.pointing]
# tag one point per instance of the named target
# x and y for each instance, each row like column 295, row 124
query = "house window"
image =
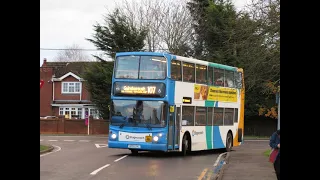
column 71, row 112
column 71, row 87
column 94, row 113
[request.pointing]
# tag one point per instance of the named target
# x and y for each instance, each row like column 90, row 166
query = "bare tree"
column 175, row 30
column 168, row 22
column 72, row 53
column 266, row 15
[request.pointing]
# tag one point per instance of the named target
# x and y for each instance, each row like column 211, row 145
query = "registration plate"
column 148, row 138
column 134, row 146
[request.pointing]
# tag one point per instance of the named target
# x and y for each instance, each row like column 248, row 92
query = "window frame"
column 116, row 65
column 193, row 115
column 194, row 72
column 214, row 120
column 68, row 85
column 198, row 66
column 232, row 116
column 70, row 109
column 236, row 115
column 180, row 70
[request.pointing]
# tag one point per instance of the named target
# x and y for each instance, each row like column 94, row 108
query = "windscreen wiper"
column 121, row 126
column 148, row 126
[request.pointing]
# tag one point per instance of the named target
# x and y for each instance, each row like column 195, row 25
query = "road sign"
column 41, row 83
column 101, row 145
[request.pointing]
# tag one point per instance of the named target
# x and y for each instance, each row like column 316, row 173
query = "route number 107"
column 151, row 89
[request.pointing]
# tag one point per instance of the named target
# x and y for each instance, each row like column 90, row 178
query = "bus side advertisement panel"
column 212, row 93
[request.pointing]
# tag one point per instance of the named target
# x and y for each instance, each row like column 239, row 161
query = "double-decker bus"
column 164, row 102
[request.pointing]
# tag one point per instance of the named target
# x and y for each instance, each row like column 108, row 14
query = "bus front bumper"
column 138, row 146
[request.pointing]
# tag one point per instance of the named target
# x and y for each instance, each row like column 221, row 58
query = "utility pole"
column 278, row 102
column 279, row 110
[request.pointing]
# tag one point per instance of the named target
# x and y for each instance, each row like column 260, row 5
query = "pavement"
column 89, row 158
column 247, row 162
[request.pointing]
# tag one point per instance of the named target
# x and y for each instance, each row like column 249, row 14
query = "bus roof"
column 181, row 58
column 142, row 54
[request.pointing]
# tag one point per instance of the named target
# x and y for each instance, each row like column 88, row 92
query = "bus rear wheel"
column 134, row 152
column 229, row 142
column 185, row 145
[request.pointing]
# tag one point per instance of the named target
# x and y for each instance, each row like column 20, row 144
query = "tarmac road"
column 87, row 157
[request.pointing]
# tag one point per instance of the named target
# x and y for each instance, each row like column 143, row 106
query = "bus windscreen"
column 140, row 67
column 138, row 113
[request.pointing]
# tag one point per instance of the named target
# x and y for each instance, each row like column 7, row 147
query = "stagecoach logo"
column 133, row 137
column 195, row 133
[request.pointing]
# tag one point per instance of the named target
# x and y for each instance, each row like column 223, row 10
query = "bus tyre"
column 229, row 142
column 134, row 152
column 185, row 145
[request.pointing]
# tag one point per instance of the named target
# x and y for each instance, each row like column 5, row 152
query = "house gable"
column 67, row 76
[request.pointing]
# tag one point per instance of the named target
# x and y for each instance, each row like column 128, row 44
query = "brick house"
column 64, row 92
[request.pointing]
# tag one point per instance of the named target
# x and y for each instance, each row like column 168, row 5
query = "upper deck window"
column 238, row 79
column 218, row 77
column 176, row 70
column 201, row 74
column 229, row 79
column 188, row 72
column 141, row 67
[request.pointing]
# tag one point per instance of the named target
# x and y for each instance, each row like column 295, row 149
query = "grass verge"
column 43, row 147
column 267, row 152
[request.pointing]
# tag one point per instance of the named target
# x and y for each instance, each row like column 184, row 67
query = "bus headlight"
column 113, row 136
column 155, row 138
column 160, row 135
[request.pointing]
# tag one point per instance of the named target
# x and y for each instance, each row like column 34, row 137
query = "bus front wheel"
column 229, row 142
column 185, row 145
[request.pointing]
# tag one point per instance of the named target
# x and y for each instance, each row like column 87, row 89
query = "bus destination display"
column 139, row 89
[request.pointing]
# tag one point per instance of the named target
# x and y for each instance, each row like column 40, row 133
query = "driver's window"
column 163, row 117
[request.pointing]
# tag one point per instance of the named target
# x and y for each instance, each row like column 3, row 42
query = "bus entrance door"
column 173, row 132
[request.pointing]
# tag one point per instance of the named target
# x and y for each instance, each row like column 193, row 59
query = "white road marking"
column 41, row 139
column 217, row 161
column 99, row 137
column 120, row 158
column 68, row 140
column 101, row 145
column 53, row 151
column 84, row 140
column 96, row 171
column 52, row 140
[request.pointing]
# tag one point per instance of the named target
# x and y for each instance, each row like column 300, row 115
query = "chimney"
column 44, row 62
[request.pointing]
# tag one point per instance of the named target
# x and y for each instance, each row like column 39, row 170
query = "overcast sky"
column 67, row 22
